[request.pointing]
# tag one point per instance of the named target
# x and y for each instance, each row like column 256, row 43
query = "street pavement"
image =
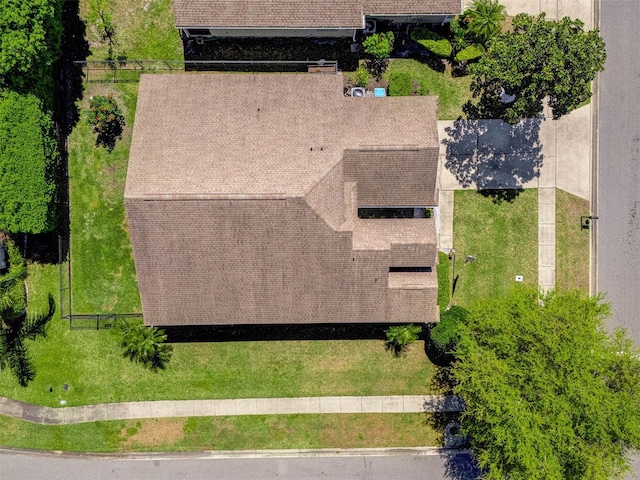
column 405, row 464
column 618, row 224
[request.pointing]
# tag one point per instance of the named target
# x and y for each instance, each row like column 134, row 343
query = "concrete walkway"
column 545, row 154
column 498, row 155
column 227, row 407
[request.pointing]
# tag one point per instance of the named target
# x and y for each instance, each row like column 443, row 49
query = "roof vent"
column 358, row 92
column 370, row 26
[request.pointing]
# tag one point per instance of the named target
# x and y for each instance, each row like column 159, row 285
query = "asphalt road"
column 618, row 204
column 405, row 466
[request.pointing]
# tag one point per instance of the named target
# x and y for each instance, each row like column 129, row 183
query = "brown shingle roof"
column 237, row 136
column 241, row 208
column 299, row 13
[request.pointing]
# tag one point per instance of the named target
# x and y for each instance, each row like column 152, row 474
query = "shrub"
column 379, row 45
column 400, row 84
column 433, row 42
column 107, row 120
column 144, row 345
column 401, row 336
column 472, row 52
column 361, row 76
column 444, row 284
column 445, row 334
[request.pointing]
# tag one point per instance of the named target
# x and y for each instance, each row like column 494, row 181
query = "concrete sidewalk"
column 500, row 156
column 545, row 154
column 226, row 407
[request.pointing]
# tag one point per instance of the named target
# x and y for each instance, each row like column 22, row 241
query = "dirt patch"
column 150, row 433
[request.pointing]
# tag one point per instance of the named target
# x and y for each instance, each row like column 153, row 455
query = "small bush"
column 445, row 334
column 472, row 52
column 433, row 42
column 361, row 76
column 107, row 120
column 444, row 282
column 379, row 45
column 401, row 336
column 400, row 84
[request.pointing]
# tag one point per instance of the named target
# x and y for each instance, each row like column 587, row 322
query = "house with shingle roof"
column 243, row 193
column 302, row 18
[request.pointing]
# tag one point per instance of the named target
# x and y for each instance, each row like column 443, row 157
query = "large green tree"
column 539, row 58
column 549, row 394
column 30, row 33
column 28, row 156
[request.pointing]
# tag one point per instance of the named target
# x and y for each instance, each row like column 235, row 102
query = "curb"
column 240, row 454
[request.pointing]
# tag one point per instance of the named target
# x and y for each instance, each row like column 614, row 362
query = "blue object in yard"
column 379, row 92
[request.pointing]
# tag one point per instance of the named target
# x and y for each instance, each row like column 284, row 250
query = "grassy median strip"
column 502, row 236
column 225, row 433
column 572, row 242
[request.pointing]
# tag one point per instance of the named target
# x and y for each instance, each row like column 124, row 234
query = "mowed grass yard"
column 504, row 239
column 225, row 433
column 452, row 92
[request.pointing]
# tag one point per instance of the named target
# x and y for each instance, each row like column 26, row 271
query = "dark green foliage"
column 107, row 120
column 379, row 45
column 549, row 394
column 401, row 336
column 445, row 332
column 16, row 325
column 400, row 84
column 433, row 42
column 144, row 345
column 471, row 52
column 484, row 20
column 444, row 280
column 540, row 58
column 28, row 157
column 30, row 31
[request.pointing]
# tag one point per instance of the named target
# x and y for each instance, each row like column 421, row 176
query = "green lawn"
column 572, row 243
column 145, row 30
column 91, row 363
column 103, row 274
column 504, row 239
column 224, row 433
column 452, row 92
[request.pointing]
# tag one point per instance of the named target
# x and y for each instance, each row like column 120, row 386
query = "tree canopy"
column 539, row 58
column 28, row 156
column 549, row 393
column 30, row 31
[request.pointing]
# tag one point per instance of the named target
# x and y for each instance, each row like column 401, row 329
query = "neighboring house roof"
column 300, row 13
column 242, row 193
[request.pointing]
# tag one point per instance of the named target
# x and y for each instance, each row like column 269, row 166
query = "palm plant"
column 145, row 345
column 15, row 328
column 16, row 325
column 399, row 337
column 484, row 19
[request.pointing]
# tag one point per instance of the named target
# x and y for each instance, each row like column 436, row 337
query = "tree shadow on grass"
column 493, row 156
